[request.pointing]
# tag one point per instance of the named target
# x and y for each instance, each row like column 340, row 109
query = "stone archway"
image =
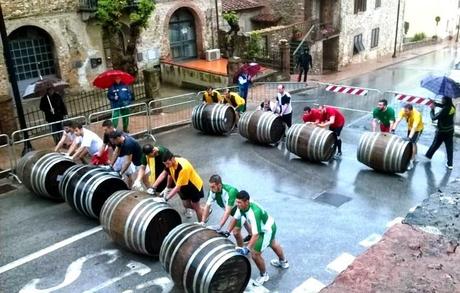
column 198, row 25
column 34, row 54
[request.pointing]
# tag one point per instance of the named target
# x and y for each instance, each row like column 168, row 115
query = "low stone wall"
column 271, row 36
column 419, row 44
column 183, row 76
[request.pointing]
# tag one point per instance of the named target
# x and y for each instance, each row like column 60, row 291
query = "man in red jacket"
column 335, row 120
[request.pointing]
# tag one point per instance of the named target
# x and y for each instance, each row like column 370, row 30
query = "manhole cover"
column 6, row 188
column 331, row 198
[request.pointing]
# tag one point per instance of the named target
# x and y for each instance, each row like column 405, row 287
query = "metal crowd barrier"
column 137, row 115
column 258, row 91
column 171, row 111
column 42, row 141
column 5, row 150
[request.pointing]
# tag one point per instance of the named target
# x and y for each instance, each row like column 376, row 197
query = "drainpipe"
column 397, row 25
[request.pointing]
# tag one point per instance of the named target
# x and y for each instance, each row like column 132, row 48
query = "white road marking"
column 135, row 268
column 255, row 289
column 340, row 263
column 49, row 249
column 165, row 283
column 311, row 285
column 395, row 221
column 72, row 273
column 370, row 240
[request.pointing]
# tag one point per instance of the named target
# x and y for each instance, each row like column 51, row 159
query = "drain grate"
column 6, row 188
column 331, row 198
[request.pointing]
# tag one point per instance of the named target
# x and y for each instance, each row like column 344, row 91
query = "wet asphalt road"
column 312, row 233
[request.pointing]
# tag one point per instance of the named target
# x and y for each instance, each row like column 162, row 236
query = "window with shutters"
column 375, row 37
column 358, row 44
column 360, row 5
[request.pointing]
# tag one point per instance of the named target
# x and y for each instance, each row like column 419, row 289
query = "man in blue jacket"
column 120, row 97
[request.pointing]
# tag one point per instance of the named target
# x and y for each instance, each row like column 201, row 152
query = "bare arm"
column 60, row 143
column 115, row 155
column 374, row 125
column 327, row 123
column 205, row 213
column 395, row 124
column 253, row 241
column 82, row 151
column 127, row 162
column 172, row 193
column 225, row 216
column 160, row 179
column 141, row 173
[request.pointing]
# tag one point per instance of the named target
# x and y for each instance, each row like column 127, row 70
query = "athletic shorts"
column 384, row 128
column 192, row 194
column 416, row 135
column 337, row 130
column 265, row 239
column 119, row 164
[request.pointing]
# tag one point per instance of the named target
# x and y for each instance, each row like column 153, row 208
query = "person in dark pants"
column 243, row 87
column 445, row 132
column 55, row 110
column 304, row 63
column 283, row 105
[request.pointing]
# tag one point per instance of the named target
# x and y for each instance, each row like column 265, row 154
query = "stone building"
column 352, row 31
column 62, row 38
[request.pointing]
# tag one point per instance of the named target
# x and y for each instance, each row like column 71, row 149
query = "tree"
column 120, row 19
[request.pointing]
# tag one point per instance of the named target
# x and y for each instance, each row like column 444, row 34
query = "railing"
column 5, row 152
column 272, row 60
column 303, row 40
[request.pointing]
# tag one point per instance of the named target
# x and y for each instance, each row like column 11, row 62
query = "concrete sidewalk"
column 353, row 70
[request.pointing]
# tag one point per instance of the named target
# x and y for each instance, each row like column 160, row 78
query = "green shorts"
column 265, row 239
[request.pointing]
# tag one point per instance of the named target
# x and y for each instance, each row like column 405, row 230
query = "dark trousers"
column 56, row 127
column 243, row 91
column 442, row 137
column 302, row 70
column 287, row 118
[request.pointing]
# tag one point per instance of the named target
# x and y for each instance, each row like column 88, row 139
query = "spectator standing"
column 243, row 87
column 445, row 129
column 120, row 97
column 304, row 63
column 55, row 110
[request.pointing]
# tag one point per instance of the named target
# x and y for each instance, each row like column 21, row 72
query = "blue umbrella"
column 441, row 85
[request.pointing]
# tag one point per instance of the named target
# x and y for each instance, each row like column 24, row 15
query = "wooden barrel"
column 200, row 260
column 214, row 118
column 311, row 142
column 261, row 127
column 384, row 152
column 41, row 171
column 86, row 188
column 136, row 221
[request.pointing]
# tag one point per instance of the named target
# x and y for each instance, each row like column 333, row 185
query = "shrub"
column 418, row 37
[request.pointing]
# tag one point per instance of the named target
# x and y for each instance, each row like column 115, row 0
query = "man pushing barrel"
column 187, row 183
column 225, row 197
column 334, row 119
column 263, row 235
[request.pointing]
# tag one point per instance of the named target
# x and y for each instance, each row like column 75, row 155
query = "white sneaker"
column 280, row 263
column 411, row 166
column 449, row 167
column 261, row 280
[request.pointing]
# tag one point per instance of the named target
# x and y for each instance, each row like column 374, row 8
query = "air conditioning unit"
column 213, row 54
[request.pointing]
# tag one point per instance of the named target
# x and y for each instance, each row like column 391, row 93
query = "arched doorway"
column 32, row 50
column 182, row 35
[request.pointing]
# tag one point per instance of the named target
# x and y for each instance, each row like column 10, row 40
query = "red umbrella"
column 107, row 79
column 250, row 68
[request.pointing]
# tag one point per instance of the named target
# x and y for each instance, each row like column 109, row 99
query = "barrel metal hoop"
column 159, row 207
column 173, row 255
column 324, row 136
column 205, row 259
column 390, row 149
column 295, row 139
column 371, row 146
column 97, row 180
column 170, row 238
column 192, row 258
column 108, row 209
column 212, row 268
column 67, row 177
column 82, row 198
column 36, row 175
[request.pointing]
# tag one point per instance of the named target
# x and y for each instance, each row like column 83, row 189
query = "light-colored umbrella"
column 39, row 88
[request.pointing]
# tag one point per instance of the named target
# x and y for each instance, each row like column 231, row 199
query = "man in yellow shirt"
column 212, row 96
column 414, row 128
column 186, row 181
column 234, row 100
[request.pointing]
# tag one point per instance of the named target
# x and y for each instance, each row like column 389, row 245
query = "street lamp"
column 13, row 81
column 397, row 25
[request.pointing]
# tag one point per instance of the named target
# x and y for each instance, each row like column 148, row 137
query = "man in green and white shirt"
column 225, row 197
column 263, row 235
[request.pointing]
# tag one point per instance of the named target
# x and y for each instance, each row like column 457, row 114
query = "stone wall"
column 362, row 23
column 271, row 36
column 156, row 36
column 291, row 11
column 18, row 9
